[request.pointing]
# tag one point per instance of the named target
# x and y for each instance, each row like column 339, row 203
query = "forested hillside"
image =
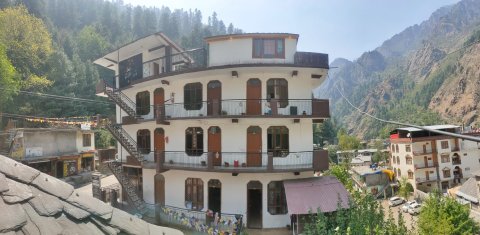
column 47, row 46
column 426, row 74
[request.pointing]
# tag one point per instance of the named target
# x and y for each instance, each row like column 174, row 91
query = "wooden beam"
column 156, row 48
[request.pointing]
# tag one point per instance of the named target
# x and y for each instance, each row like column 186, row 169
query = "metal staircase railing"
column 137, row 202
column 120, row 99
column 125, row 140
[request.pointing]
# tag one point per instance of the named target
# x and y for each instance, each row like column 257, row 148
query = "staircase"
column 135, row 200
column 121, row 100
column 8, row 145
column 125, row 140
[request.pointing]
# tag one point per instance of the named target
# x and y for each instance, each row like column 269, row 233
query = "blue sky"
column 341, row 28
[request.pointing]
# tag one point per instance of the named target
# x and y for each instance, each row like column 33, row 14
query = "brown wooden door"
column 214, row 98
column 254, row 96
column 425, row 160
column 159, row 140
column 159, row 102
column 254, row 204
column 427, row 175
column 215, row 144
column 424, row 149
column 159, row 189
column 254, row 146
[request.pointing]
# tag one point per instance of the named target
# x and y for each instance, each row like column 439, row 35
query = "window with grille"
column 143, row 103
column 277, row 88
column 87, row 140
column 194, row 141
column 446, row 173
column 143, row 141
column 278, row 143
column 445, row 158
column 444, row 144
column 194, row 194
column 277, row 202
column 268, row 48
column 409, row 160
column 408, row 148
column 192, row 96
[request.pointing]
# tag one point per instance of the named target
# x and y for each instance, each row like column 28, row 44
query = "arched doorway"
column 214, row 98
column 254, row 204
column 254, row 146
column 457, row 175
column 254, row 96
column 215, row 144
column 159, row 189
column 159, row 103
column 215, row 195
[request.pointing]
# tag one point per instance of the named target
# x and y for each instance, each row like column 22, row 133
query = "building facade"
column 57, row 152
column 217, row 128
column 433, row 161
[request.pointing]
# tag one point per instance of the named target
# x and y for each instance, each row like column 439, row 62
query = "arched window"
column 456, row 159
column 446, row 172
column 194, row 194
column 194, row 141
column 277, row 202
column 398, row 160
column 277, row 88
column 396, row 146
column 278, row 141
column 192, row 96
column 142, row 102
column 408, row 160
column 143, row 141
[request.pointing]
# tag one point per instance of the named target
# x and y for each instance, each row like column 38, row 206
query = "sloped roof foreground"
column 35, row 203
column 309, row 195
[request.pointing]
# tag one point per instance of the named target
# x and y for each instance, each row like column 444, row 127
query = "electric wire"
column 59, row 97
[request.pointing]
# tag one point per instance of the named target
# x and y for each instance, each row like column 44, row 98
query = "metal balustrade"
column 242, row 161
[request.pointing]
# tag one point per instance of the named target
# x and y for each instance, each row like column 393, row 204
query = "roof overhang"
column 150, row 42
column 322, row 194
column 251, row 35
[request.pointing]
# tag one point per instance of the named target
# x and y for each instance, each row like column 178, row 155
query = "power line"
column 59, row 97
column 466, row 137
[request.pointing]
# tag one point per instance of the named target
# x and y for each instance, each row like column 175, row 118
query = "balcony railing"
column 423, row 180
column 456, row 161
column 423, row 166
column 242, row 161
column 418, row 153
column 238, row 108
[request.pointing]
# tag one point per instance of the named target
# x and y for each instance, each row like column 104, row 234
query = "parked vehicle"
column 414, row 209
column 407, row 205
column 395, row 201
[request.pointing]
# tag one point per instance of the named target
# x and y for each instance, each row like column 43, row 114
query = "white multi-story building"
column 220, row 127
column 433, row 161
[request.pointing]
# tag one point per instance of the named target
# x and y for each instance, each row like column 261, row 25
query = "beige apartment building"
column 430, row 160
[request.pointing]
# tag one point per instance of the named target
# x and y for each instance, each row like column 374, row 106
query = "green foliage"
column 7, row 79
column 324, row 133
column 347, row 142
column 340, row 171
column 28, row 44
column 444, row 215
column 366, row 216
column 103, row 139
column 91, row 45
column 405, row 188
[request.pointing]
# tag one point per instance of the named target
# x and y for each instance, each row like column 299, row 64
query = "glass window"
column 445, row 158
column 409, row 160
column 277, row 202
column 194, row 194
column 410, row 174
column 398, row 160
column 399, row 173
column 193, row 96
column 446, row 173
column 444, row 144
column 143, row 141
column 277, row 88
column 407, row 148
column 278, row 141
column 194, row 141
column 143, row 103
column 268, row 48
column 87, row 140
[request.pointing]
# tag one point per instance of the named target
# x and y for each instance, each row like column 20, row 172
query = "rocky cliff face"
column 417, row 76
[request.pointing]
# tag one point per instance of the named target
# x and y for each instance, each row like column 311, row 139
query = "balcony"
column 242, row 108
column 420, row 153
column 456, row 162
column 424, row 180
column 455, row 149
column 424, row 166
column 241, row 162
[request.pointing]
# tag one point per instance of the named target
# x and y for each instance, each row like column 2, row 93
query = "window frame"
column 443, row 156
column 408, row 160
column 144, row 143
column 276, row 198
column 261, row 53
column 408, row 148
column 142, row 103
column 87, row 141
column 194, row 193
column 275, row 86
column 445, row 175
column 197, row 144
column 444, row 144
column 410, row 174
column 278, row 141
column 193, row 96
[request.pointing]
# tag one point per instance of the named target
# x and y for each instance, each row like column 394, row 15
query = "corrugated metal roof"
column 469, row 190
column 310, row 195
column 434, row 127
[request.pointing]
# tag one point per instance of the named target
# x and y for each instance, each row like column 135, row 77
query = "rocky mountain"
column 426, row 74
